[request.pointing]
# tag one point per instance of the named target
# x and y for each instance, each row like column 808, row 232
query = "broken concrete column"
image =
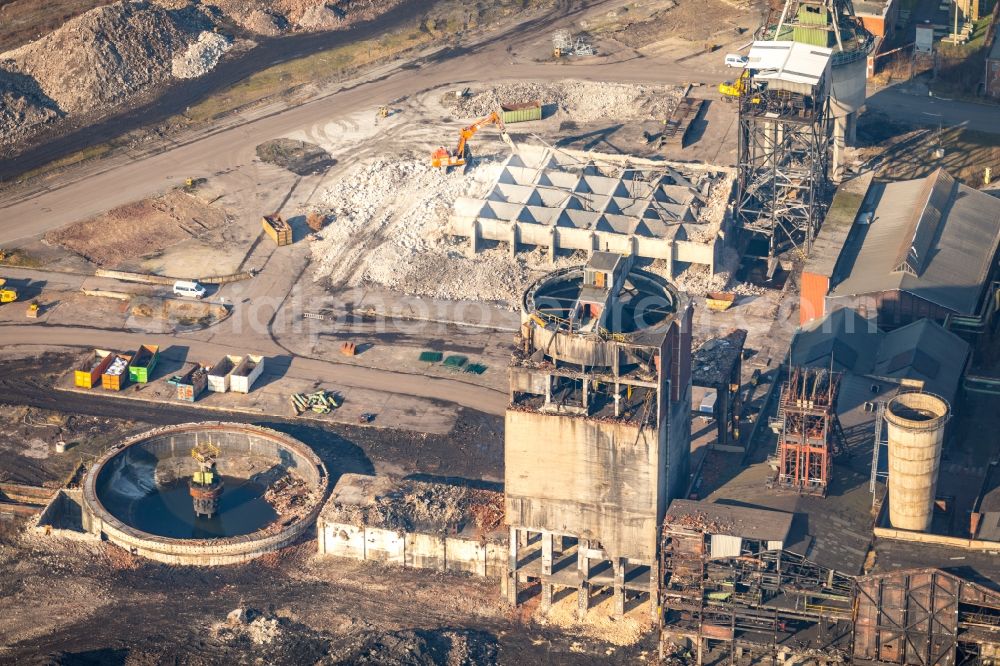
column 583, row 575
column 546, row 571
column 474, row 234
column 619, row 568
column 512, row 567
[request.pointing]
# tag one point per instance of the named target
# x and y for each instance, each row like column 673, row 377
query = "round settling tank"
column 267, row 489
column 915, row 424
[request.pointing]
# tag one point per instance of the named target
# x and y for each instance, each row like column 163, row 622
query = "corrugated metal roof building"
column 923, row 248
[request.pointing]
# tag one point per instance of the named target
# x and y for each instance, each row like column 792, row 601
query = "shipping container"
column 247, row 373
column 192, row 383
column 220, row 373
column 88, row 375
column 140, row 370
column 115, row 376
column 277, row 229
column 520, row 113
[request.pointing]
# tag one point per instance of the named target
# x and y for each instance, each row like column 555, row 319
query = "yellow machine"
column 383, row 112
column 442, row 157
column 7, row 294
column 731, row 90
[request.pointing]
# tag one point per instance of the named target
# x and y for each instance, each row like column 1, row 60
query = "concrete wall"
column 593, row 479
column 176, row 441
column 415, row 550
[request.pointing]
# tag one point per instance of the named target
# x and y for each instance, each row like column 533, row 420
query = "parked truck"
column 115, row 377
column 277, row 229
column 88, row 374
column 140, row 370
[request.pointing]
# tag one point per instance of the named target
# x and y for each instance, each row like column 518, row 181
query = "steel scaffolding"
column 783, row 163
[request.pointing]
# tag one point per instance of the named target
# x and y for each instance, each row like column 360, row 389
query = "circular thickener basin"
column 137, row 494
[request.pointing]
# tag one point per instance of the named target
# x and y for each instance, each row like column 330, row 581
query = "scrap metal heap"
column 206, row 483
column 810, row 432
column 737, row 594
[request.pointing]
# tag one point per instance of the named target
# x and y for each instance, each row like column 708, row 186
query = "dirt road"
column 125, row 178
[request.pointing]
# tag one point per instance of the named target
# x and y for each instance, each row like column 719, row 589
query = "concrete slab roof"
column 725, row 519
column 789, row 62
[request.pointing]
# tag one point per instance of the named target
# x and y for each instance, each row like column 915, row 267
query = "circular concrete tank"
column 648, row 304
column 123, row 480
column 915, row 425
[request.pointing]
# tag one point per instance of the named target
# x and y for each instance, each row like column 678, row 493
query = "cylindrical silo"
column 847, row 95
column 915, row 425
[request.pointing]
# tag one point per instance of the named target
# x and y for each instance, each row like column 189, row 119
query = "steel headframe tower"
column 810, row 431
column 783, row 163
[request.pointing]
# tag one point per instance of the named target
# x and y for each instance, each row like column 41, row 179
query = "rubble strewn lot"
column 583, row 101
column 387, row 229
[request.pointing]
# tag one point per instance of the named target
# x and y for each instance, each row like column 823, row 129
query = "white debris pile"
column 247, row 623
column 201, row 56
column 581, row 101
column 117, row 367
column 389, row 228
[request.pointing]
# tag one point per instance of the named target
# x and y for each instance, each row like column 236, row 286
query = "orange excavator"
column 442, row 157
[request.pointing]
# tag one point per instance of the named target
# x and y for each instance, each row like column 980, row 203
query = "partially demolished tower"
column 598, row 429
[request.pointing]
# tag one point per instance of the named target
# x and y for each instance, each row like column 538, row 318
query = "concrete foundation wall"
column 415, row 550
column 175, row 441
column 599, row 480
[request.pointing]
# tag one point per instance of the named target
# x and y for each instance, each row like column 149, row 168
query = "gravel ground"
column 581, row 101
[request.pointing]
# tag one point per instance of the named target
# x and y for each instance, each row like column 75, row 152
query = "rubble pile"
column 95, row 62
column 201, row 56
column 388, row 224
column 580, row 101
column 270, row 639
column 101, row 60
column 425, row 507
column 291, row 498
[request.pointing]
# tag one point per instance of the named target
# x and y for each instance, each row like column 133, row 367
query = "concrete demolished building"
column 571, row 200
column 598, row 430
column 733, row 594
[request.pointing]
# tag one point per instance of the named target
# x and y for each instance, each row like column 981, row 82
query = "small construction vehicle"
column 731, row 90
column 383, row 111
column 7, row 294
column 442, row 157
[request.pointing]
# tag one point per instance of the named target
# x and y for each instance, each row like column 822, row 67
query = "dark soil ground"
column 91, row 603
column 472, row 451
column 299, row 157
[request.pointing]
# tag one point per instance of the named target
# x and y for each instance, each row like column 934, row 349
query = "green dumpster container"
column 141, row 369
column 520, row 113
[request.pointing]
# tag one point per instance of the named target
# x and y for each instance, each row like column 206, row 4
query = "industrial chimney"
column 915, row 424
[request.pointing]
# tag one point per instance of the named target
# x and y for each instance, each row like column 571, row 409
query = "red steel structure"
column 809, row 428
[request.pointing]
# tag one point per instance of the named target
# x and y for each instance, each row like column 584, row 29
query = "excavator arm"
column 441, row 157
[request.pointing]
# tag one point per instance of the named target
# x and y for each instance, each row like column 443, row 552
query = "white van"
column 736, row 60
column 189, row 289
